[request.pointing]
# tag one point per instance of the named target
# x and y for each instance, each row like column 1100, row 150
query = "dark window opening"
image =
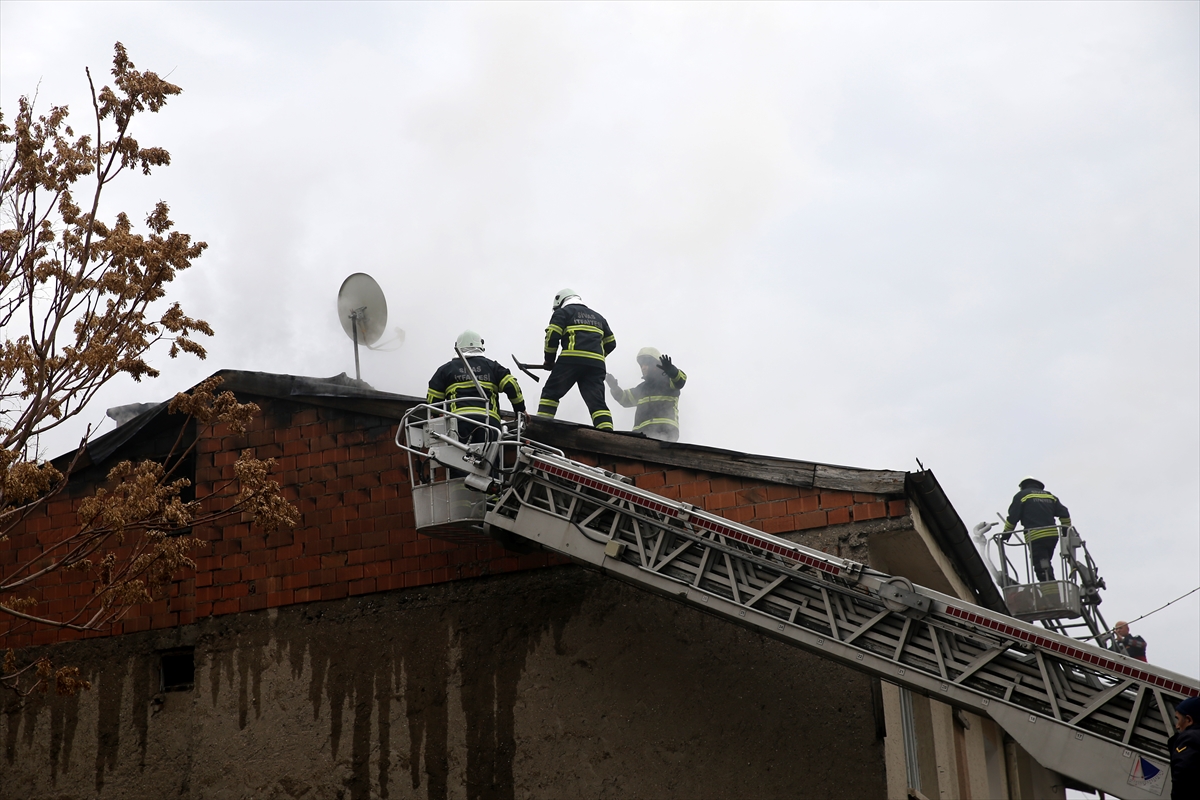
column 177, row 669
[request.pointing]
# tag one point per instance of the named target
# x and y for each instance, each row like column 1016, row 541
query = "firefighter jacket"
column 582, row 333
column 1185, row 763
column 656, row 399
column 453, row 382
column 1134, row 646
column 1035, row 509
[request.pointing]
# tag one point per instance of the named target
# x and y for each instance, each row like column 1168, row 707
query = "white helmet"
column 648, row 354
column 564, row 295
column 469, row 340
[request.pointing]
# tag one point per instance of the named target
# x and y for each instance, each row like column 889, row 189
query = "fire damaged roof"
column 341, row 392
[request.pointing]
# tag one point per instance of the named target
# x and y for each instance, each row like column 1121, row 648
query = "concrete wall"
column 545, row 684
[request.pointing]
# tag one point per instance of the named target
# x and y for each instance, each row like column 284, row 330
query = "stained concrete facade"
column 548, row 684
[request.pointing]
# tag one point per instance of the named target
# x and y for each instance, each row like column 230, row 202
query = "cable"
column 1160, row 608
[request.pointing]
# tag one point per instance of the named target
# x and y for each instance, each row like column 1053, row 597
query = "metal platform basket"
column 1047, row 600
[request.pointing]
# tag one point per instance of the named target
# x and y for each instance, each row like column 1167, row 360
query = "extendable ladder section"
column 1098, row 717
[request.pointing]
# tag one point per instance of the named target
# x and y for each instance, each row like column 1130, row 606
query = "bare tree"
column 77, row 306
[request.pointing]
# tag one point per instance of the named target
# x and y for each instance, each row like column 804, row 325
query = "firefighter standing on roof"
column 453, row 382
column 1035, row 509
column 585, row 339
column 656, row 397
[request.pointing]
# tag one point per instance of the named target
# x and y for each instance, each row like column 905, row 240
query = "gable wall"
column 357, row 536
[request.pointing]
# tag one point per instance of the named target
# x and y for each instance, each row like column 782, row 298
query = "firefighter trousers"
column 1041, row 553
column 589, row 374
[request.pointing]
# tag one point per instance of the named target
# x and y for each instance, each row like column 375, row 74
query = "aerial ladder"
column 1099, row 717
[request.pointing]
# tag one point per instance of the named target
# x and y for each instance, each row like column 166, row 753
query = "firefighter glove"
column 664, row 363
column 611, row 380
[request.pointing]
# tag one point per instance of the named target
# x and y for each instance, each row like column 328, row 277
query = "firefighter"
column 1127, row 643
column 1035, row 509
column 1184, row 747
column 585, row 339
column 656, row 397
column 452, row 382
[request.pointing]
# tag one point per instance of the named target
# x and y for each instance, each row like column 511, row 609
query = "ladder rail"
column 964, row 655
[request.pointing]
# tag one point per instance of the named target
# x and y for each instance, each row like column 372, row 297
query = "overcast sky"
column 966, row 233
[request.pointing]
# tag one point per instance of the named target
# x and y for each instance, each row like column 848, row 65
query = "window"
column 177, row 669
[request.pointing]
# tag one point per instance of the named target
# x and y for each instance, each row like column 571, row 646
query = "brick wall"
column 357, row 535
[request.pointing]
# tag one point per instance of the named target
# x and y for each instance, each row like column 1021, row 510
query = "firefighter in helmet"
column 585, row 339
column 1035, row 509
column 453, row 382
column 656, row 397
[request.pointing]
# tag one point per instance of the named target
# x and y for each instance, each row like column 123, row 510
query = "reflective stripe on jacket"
column 453, row 382
column 656, row 399
column 582, row 333
column 1036, row 509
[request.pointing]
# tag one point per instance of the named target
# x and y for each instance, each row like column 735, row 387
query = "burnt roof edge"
column 804, row 474
column 353, row 395
column 948, row 529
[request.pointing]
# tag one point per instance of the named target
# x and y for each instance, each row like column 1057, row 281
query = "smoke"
column 866, row 232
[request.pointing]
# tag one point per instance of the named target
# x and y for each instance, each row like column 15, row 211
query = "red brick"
column 739, row 513
column 343, row 543
column 362, row 587
column 226, row 577
column 802, row 505
column 387, row 582
column 254, row 602
column 897, row 508
column 836, row 499
column 377, row 568
column 715, row 502
column 695, row 489
column 333, row 560
column 751, row 495
column 296, row 581
column 650, row 480
column 350, row 573
column 815, row 519
column 418, row 578
column 434, row 561
column 678, row 477
column 837, row 516
column 225, row 607
column 863, row 511
column 334, row 591
column 779, row 524
column 765, row 510
column 724, row 484
column 782, row 492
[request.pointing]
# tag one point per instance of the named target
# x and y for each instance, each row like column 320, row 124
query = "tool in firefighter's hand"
column 526, row 367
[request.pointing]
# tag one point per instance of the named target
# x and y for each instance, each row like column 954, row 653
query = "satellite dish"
column 362, row 310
